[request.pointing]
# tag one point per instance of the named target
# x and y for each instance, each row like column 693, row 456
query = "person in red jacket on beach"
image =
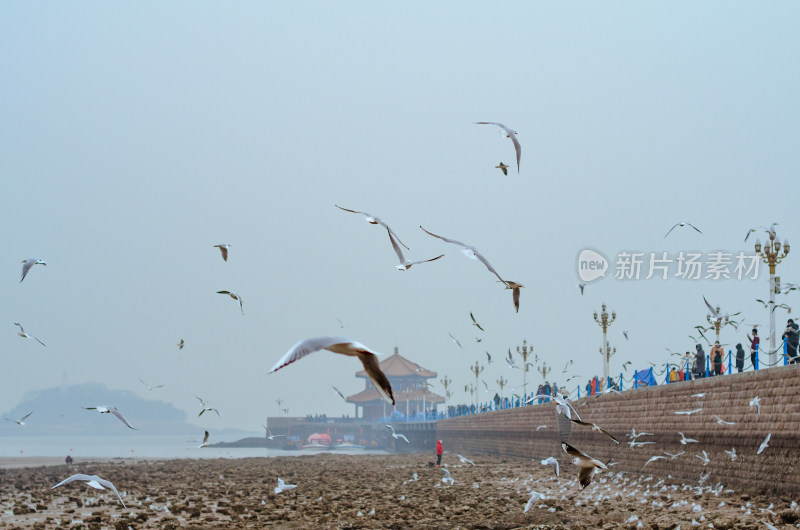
column 439, row 452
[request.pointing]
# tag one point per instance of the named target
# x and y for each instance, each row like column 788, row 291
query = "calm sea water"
column 136, row 446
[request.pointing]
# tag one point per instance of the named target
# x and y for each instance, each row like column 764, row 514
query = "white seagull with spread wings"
column 397, row 436
column 469, row 251
column 27, row 264
column 93, row 481
column 509, row 134
column 343, row 346
column 676, row 225
column 115, row 412
column 27, row 335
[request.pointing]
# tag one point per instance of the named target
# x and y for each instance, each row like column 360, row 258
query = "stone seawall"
column 513, row 432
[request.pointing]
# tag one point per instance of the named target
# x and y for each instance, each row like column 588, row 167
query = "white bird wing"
column 403, row 436
column 698, row 230
column 308, row 346
column 110, row 486
column 390, row 428
column 535, row 496
column 671, row 229
column 396, row 248
column 25, row 417
column 73, row 478
column 446, row 473
column 26, row 266
column 116, row 413
column 491, row 269
column 764, row 444
column 377, row 220
column 517, row 147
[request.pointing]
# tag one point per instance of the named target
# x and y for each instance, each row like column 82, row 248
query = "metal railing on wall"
column 684, row 371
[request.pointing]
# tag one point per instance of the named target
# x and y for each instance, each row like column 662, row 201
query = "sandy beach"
column 341, row 491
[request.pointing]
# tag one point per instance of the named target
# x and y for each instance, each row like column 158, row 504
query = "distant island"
column 60, row 411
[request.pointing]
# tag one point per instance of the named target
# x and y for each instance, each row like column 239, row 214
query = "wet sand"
column 333, row 489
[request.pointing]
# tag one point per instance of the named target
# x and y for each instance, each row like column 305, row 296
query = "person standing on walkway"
column 439, row 452
column 739, row 358
column 792, row 338
column 754, row 340
column 699, row 362
column 716, row 358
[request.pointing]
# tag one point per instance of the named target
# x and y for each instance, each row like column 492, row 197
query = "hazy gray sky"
column 136, row 136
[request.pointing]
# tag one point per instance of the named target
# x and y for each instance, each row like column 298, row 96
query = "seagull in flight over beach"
column 634, row 444
column 339, row 392
column 27, row 264
column 552, row 462
column 115, row 412
column 723, row 422
column 27, row 335
column 447, row 478
column 282, row 486
column 271, row 436
column 224, row 250
column 764, row 444
column 755, row 402
column 465, row 460
column 204, row 443
column 148, row 387
column 688, row 412
column 235, row 297
column 676, row 225
column 343, row 346
column 371, row 219
column 633, row 435
column 685, row 440
column 455, row 340
column 731, row 453
column 397, row 436
column 703, row 457
column 509, row 134
column 469, row 251
column 475, row 322
column 404, row 263
column 535, row 496
column 587, row 464
column 673, row 456
column 594, row 427
column 21, row 421
column 93, row 481
column 653, row 459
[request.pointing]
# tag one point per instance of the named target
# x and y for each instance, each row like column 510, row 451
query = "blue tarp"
column 645, row 378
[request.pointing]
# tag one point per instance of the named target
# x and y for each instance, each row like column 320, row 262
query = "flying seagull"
column 633, row 435
column 634, row 444
column 587, row 464
column 209, row 409
column 455, row 340
column 465, row 460
column 204, row 442
column 344, row 346
column 181, row 344
column 755, row 402
column 731, row 453
column 535, row 496
column 581, row 286
column 235, row 297
column 625, row 334
column 682, row 225
column 447, row 478
column 475, row 322
column 514, row 286
column 27, row 335
column 594, row 427
column 93, row 481
column 115, row 412
column 673, row 456
column 723, row 422
column 404, row 263
column 509, row 134
column 21, row 421
column 397, row 436
column 653, row 459
column 148, row 387
column 27, row 264
column 224, row 250
column 703, row 457
column 552, row 462
column 371, row 219
column 339, row 392
column 764, row 444
column 469, row 251
column 488, row 358
column 685, row 440
column 503, row 167
column 282, row 486
column 271, row 436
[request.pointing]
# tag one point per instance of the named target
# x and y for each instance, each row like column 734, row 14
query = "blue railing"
column 621, row 383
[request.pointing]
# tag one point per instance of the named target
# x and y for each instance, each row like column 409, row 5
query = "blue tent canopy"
column 645, row 378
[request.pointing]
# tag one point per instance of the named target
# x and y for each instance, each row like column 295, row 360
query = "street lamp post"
column 719, row 322
column 524, row 352
column 477, row 369
column 446, row 384
column 607, row 355
column 544, row 370
column 279, row 401
column 502, row 382
column 604, row 322
column 771, row 254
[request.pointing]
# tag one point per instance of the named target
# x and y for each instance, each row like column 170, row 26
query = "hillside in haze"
column 60, row 410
